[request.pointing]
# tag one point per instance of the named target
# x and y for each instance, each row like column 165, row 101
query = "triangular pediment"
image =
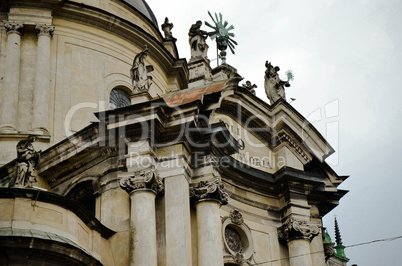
column 271, row 137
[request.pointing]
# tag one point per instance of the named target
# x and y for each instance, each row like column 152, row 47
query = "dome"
column 143, row 8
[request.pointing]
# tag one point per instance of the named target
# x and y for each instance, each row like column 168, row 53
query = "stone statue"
column 166, row 28
column 250, row 87
column 197, row 37
column 139, row 73
column 273, row 84
column 27, row 159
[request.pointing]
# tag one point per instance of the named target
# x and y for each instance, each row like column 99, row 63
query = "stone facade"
column 192, row 170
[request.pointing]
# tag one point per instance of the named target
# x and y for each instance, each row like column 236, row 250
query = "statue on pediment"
column 27, row 160
column 274, row 86
column 140, row 73
column 197, row 37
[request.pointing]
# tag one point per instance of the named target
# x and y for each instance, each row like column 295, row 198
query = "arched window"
column 118, row 98
column 83, row 194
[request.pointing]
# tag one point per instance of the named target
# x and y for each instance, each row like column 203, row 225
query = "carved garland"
column 296, row 229
column 144, row 179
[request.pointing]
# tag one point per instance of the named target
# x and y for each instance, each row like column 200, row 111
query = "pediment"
column 265, row 154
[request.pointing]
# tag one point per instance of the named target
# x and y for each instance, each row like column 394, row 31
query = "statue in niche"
column 27, row 160
column 166, row 28
column 197, row 37
column 273, row 84
column 139, row 73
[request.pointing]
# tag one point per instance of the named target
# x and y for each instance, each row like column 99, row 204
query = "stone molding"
column 44, row 29
column 13, row 27
column 296, row 229
column 143, row 180
column 209, row 191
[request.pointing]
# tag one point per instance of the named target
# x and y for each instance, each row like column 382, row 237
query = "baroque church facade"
column 115, row 151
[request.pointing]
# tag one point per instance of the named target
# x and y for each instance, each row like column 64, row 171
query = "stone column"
column 298, row 235
column 208, row 196
column 143, row 186
column 9, row 103
column 42, row 77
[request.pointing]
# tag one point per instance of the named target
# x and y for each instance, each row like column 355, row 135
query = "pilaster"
column 9, row 103
column 42, row 78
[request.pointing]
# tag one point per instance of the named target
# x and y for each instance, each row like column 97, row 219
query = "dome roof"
column 143, row 8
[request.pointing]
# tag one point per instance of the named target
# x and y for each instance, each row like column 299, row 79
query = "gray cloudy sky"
column 346, row 57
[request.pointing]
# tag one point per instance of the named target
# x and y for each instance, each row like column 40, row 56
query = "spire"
column 340, row 249
column 338, row 238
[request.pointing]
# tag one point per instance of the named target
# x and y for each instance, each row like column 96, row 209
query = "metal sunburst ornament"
column 290, row 77
column 222, row 35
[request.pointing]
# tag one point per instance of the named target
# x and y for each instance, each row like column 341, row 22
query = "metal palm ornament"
column 290, row 77
column 222, row 35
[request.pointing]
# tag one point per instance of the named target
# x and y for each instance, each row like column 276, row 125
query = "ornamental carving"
column 209, row 190
column 144, row 179
column 297, row 229
column 13, row 27
column 44, row 30
column 236, row 217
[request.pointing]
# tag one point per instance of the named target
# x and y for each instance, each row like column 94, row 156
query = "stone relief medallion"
column 237, row 236
column 233, row 239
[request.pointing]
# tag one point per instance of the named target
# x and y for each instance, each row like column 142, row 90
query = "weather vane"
column 222, row 35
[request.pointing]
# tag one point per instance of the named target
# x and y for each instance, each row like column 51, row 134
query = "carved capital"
column 209, row 191
column 236, row 217
column 13, row 27
column 297, row 229
column 145, row 180
column 44, row 29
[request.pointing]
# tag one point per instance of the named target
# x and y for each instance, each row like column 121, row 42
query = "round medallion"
column 233, row 240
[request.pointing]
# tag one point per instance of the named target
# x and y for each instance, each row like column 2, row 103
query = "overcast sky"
column 346, row 58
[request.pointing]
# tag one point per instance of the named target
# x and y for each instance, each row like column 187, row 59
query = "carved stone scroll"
column 144, row 179
column 209, row 190
column 13, row 27
column 297, row 229
column 44, row 30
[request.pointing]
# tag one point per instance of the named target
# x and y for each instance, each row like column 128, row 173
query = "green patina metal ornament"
column 222, row 35
column 290, row 77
